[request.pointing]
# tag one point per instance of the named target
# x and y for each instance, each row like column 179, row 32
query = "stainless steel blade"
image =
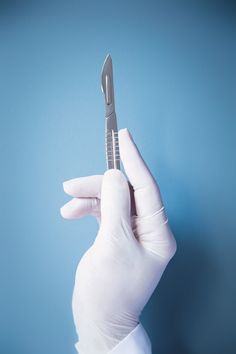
column 111, row 132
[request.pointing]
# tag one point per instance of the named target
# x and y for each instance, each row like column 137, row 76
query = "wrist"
column 101, row 337
column 137, row 342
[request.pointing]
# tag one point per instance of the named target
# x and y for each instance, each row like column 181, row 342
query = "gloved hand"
column 117, row 275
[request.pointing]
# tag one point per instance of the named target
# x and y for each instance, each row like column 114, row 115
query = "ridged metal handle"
column 112, row 149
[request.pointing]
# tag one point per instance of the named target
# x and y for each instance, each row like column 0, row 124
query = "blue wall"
column 174, row 68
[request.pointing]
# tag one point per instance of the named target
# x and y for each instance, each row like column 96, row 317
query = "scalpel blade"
column 111, row 132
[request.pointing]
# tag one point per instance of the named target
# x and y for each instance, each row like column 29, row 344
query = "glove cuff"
column 136, row 342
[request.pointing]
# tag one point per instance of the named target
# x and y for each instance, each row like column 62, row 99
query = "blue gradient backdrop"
column 174, row 67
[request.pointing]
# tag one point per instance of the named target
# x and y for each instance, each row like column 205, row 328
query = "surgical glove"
column 117, row 275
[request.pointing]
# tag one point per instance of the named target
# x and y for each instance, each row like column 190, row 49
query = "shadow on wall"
column 176, row 315
column 180, row 299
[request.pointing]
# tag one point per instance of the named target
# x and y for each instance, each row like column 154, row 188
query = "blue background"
column 174, row 72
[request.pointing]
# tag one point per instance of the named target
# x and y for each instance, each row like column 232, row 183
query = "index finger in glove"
column 146, row 191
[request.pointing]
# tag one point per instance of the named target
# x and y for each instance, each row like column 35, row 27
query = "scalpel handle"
column 112, row 142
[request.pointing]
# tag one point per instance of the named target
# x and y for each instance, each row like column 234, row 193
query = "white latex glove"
column 117, row 275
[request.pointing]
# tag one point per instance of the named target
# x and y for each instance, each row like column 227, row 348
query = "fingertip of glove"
column 115, row 176
column 69, row 186
column 62, row 212
column 124, row 132
column 65, row 186
column 67, row 210
column 114, row 172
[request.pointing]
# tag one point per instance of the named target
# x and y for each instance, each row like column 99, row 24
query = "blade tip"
column 108, row 57
column 106, row 64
